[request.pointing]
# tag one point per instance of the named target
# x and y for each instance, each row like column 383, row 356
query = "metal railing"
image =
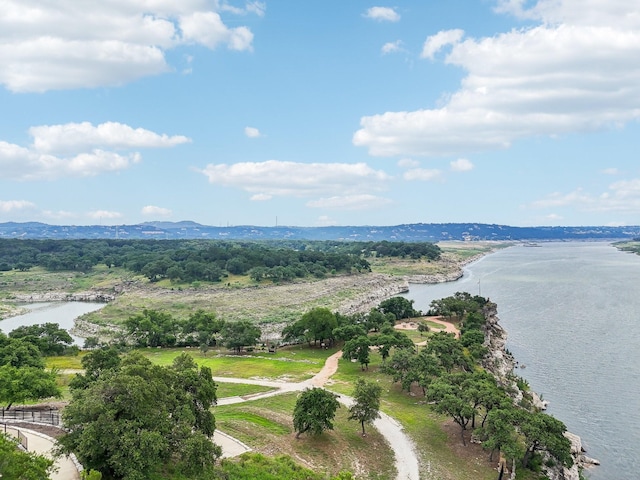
column 50, row 417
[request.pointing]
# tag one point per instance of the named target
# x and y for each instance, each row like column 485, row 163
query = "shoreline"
column 502, row 364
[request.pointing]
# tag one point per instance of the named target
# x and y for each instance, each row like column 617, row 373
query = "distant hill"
column 415, row 232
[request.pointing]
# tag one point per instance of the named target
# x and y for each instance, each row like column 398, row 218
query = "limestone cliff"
column 502, row 364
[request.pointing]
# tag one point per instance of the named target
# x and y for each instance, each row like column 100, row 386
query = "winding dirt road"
column 406, row 460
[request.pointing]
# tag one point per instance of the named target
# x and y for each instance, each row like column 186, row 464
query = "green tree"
column 451, row 396
column 399, row 306
column 544, row 432
column 236, row 335
column 366, row 406
column 19, row 353
column 96, row 364
column 134, row 421
column 314, row 411
column 19, row 465
column 152, row 328
column 358, row 349
column 17, row 385
column 49, row 338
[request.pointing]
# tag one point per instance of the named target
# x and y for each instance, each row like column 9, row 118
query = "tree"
column 16, row 464
column 49, row 338
column 399, row 306
column 152, row 328
column 19, row 353
column 96, row 364
column 201, row 328
column 366, row 407
column 314, row 411
column 450, row 395
column 135, row 420
column 500, row 433
column 357, row 349
column 19, row 384
column 236, row 335
column 448, row 350
column 544, row 432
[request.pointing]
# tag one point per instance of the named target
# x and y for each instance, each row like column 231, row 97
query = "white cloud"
column 153, row 211
column 257, row 8
column 611, row 171
column 422, row 174
column 392, row 47
column 579, row 74
column 350, row 202
column 252, row 132
column 62, row 45
column 437, row 42
column 104, row 215
column 621, row 197
column 408, row 163
column 461, row 165
column 72, row 137
column 74, row 150
column 276, row 178
column 382, row 14
column 11, row 206
column 261, row 197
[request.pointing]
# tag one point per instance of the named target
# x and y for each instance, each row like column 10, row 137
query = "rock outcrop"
column 89, row 296
column 501, row 364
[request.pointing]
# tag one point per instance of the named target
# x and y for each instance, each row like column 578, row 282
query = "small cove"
column 62, row 313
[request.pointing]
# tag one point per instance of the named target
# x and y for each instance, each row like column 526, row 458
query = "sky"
column 315, row 113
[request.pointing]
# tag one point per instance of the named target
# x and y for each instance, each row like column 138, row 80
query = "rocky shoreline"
column 502, row 365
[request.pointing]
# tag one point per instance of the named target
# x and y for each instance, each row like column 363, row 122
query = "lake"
column 62, row 313
column 572, row 313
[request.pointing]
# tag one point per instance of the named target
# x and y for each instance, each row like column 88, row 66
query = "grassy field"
column 266, row 426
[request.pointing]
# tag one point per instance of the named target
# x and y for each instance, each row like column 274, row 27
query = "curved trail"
column 406, row 460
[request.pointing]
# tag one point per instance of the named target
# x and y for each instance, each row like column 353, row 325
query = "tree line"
column 449, row 373
column 206, row 260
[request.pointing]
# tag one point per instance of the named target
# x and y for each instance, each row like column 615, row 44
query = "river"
column 62, row 313
column 572, row 313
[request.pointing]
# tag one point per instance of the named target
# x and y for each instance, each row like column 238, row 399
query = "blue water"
column 572, row 313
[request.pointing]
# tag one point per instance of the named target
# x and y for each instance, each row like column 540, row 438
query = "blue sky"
column 307, row 112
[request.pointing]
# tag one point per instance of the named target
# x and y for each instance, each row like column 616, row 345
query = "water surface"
column 572, row 313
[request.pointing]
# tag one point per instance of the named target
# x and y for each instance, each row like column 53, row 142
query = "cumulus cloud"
column 274, row 178
column 78, row 150
column 576, row 71
column 77, row 136
column 392, row 47
column 154, row 211
column 11, row 206
column 461, row 165
column 621, row 197
column 325, row 221
column 252, row 132
column 422, row 174
column 350, row 202
column 382, row 14
column 49, row 45
column 437, row 42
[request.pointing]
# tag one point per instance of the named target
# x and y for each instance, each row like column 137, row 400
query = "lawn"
column 266, row 426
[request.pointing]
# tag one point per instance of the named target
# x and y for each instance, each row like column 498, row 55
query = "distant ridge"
column 415, row 232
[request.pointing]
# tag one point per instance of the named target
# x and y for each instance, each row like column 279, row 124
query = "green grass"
column 295, row 364
column 266, row 426
column 419, row 422
column 239, row 389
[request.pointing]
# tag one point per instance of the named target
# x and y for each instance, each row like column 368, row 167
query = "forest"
column 207, row 260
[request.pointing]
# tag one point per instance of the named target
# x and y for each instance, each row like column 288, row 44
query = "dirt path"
column 448, row 326
column 406, row 460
